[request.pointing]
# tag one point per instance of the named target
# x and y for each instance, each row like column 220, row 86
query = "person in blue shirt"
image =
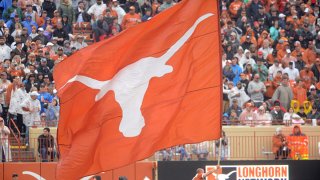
column 236, row 69
column 28, row 23
column 44, row 97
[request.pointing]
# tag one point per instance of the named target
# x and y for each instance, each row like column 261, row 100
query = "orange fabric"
column 173, row 104
column 270, row 89
column 298, row 146
column 40, row 21
column 296, row 52
column 270, row 59
column 309, row 56
column 306, row 77
column 300, row 94
column 277, row 142
column 312, row 19
column 112, row 12
column 234, row 7
column 130, row 20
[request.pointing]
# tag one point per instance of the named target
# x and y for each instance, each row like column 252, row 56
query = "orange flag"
column 155, row 85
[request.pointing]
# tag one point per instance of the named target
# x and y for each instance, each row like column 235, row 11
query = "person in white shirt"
column 246, row 59
column 4, row 49
column 97, row 9
column 120, row 11
column 292, row 72
column 31, row 106
column 266, row 49
column 239, row 53
column 275, row 68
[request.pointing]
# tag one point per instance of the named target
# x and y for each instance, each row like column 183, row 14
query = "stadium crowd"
column 270, row 61
column 270, row 56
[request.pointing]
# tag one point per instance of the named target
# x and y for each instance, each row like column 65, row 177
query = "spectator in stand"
column 60, row 33
column 31, row 106
column 66, row 9
column 166, row 4
column 298, row 144
column 130, row 19
column 316, row 68
column 307, row 107
column 246, row 59
column 261, row 69
column 60, row 56
column 80, row 14
column 4, row 83
column 277, row 114
column 299, row 64
column 53, row 113
column 262, row 117
column 5, row 150
column 299, row 92
column 14, row 8
column 4, row 49
column 46, row 146
column 30, row 12
column 65, row 24
column 49, row 6
column 28, row 23
column 306, row 76
column 234, row 106
column 314, row 114
column 287, row 59
column 293, row 73
column 256, row 89
column 248, row 116
column 120, row 11
column 280, row 145
column 44, row 97
column 275, row 68
column 96, row 10
column 15, row 96
column 283, row 93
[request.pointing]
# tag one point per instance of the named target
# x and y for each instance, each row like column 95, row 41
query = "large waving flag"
column 153, row 86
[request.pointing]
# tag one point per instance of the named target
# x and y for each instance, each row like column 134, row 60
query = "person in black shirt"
column 46, row 145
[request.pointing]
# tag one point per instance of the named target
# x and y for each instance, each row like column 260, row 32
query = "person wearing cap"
column 248, row 116
column 66, row 9
column 97, row 9
column 120, row 11
column 288, row 58
column 79, row 43
column 31, row 106
column 130, row 19
column 308, row 15
column 261, row 69
column 292, row 72
column 283, row 93
column 246, row 42
column 41, row 37
column 60, row 56
column 280, row 145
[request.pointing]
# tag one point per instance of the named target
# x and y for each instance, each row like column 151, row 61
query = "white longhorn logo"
column 130, row 83
column 223, row 176
column 35, row 175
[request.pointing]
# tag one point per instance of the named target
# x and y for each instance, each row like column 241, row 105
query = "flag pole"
column 219, row 153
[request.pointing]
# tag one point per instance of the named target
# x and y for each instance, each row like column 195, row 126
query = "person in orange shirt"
column 309, row 55
column 282, row 52
column 130, row 19
column 297, row 49
column 234, row 8
column 312, row 19
column 41, row 20
column 60, row 56
column 57, row 18
column 306, row 76
column 299, row 92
